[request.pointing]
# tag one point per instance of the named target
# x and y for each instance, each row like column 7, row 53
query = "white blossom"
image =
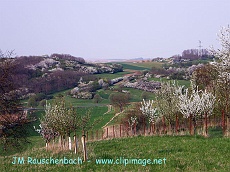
column 132, row 121
column 197, row 103
column 149, row 111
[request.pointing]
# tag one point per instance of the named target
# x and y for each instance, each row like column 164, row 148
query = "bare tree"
column 13, row 121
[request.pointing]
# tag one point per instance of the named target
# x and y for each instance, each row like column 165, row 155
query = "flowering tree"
column 59, row 119
column 133, row 122
column 207, row 102
column 189, row 105
column 223, row 81
column 166, row 103
column 194, row 105
column 150, row 112
column 47, row 133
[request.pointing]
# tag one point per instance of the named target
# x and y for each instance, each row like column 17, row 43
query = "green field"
column 181, row 153
column 186, row 83
column 141, row 66
column 112, row 76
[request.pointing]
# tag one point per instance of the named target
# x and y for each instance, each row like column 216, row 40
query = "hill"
column 49, row 74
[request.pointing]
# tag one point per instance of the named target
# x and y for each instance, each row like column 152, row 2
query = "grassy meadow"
column 141, row 66
column 182, row 153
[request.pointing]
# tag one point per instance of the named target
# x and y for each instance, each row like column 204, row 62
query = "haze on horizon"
column 109, row 29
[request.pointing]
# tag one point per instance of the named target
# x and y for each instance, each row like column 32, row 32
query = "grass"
column 182, row 153
column 186, row 83
column 112, row 76
column 130, row 66
column 97, row 113
column 136, row 95
column 141, row 66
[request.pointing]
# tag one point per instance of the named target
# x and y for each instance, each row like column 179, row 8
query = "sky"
column 110, row 29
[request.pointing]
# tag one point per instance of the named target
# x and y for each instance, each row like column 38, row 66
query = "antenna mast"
column 200, row 51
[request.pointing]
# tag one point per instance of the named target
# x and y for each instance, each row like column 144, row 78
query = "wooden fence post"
column 75, row 144
column 70, row 145
column 84, row 147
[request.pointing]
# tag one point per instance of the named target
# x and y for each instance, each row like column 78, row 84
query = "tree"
column 13, row 120
column 222, row 65
column 151, row 113
column 189, row 106
column 133, row 112
column 194, row 105
column 32, row 102
column 119, row 100
column 207, row 105
column 59, row 119
column 97, row 98
column 205, row 76
column 166, row 102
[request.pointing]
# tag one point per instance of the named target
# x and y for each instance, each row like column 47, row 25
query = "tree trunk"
column 223, row 122
column 53, row 143
column 177, row 124
column 190, row 125
column 227, row 127
column 194, row 125
column 164, row 125
column 205, row 125
column 60, row 142
column 154, row 128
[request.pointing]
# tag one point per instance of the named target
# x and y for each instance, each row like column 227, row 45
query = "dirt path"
column 109, row 109
column 112, row 119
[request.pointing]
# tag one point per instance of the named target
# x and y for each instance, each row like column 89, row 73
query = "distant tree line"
column 67, row 57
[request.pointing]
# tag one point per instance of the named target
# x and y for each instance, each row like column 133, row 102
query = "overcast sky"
column 110, row 29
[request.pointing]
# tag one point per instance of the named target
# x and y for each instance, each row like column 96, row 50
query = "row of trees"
column 60, row 121
column 208, row 95
column 193, row 54
column 173, row 104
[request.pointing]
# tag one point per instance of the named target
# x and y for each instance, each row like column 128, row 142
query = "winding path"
column 112, row 117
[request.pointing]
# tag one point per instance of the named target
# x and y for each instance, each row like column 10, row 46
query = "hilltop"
column 50, row 74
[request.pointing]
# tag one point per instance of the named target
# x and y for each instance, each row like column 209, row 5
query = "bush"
column 40, row 96
column 32, row 102
column 145, row 95
column 42, row 103
column 97, row 98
